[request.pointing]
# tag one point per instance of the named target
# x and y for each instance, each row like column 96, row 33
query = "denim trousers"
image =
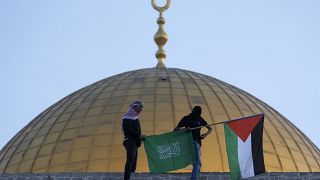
column 197, row 164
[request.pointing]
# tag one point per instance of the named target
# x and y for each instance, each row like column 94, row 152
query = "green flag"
column 169, row 151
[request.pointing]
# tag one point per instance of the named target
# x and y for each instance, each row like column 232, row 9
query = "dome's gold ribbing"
column 81, row 132
column 161, row 36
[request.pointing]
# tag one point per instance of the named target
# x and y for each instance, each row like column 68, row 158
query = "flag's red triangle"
column 244, row 126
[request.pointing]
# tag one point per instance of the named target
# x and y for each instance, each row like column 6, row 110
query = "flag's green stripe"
column 232, row 151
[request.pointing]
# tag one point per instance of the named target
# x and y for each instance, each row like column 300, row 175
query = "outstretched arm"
column 207, row 133
column 177, row 128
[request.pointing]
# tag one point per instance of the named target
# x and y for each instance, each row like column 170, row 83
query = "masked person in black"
column 194, row 120
column 132, row 136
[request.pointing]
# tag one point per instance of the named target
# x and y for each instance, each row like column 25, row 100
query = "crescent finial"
column 158, row 8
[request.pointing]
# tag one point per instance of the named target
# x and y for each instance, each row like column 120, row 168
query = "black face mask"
column 196, row 111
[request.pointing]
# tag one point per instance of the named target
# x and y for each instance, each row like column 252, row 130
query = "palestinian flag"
column 244, row 146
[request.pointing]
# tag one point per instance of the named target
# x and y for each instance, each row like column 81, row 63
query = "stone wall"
column 147, row 176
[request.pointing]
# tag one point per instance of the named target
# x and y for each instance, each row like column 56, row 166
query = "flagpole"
column 222, row 122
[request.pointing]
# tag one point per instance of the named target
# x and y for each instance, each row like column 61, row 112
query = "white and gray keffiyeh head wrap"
column 131, row 113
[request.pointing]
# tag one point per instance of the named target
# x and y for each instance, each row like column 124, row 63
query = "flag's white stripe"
column 245, row 157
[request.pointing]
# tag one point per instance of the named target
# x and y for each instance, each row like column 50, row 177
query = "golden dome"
column 81, row 132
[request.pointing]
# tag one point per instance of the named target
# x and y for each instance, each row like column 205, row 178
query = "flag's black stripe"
column 257, row 149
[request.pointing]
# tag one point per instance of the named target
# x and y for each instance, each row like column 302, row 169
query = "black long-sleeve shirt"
column 132, row 130
column 193, row 122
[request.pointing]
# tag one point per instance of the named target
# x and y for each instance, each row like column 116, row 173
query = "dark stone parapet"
column 148, row 176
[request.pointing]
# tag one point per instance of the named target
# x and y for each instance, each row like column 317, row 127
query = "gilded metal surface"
column 158, row 8
column 81, row 132
column 161, row 36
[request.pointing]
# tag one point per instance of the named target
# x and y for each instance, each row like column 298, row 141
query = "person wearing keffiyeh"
column 132, row 136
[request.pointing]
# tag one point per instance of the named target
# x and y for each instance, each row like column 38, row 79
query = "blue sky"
column 49, row 49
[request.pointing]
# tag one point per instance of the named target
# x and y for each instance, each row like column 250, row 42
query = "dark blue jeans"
column 196, row 166
column 132, row 155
